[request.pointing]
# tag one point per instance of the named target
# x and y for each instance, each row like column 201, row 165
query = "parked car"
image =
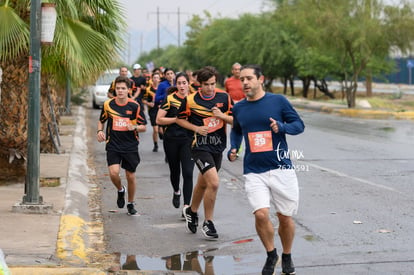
column 99, row 91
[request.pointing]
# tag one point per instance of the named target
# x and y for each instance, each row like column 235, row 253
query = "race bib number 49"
column 213, row 123
column 120, row 123
column 260, row 141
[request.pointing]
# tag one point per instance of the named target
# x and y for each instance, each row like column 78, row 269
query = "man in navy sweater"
column 263, row 120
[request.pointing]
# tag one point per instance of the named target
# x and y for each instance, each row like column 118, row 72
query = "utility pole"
column 129, row 48
column 178, row 13
column 178, row 26
column 141, row 44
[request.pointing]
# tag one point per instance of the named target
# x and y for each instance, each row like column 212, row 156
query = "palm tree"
column 87, row 40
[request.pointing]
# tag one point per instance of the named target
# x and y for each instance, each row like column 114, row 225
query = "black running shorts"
column 128, row 160
column 206, row 160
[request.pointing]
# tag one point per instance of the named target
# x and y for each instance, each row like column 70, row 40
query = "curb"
column 72, row 241
column 352, row 112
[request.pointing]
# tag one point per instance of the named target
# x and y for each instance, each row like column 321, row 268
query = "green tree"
column 355, row 32
column 86, row 42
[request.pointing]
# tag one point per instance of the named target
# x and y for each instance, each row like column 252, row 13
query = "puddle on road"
column 387, row 129
column 198, row 261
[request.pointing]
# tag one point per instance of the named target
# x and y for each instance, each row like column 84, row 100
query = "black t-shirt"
column 171, row 105
column 118, row 137
column 140, row 82
column 197, row 110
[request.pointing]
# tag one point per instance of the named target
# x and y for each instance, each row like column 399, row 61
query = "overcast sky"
column 142, row 20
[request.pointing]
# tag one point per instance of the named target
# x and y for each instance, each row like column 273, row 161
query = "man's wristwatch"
column 97, row 132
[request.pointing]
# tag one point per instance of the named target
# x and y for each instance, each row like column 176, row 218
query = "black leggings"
column 178, row 152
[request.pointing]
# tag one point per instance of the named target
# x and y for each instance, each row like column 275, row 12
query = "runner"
column 125, row 119
column 177, row 141
column 263, row 120
column 123, row 71
column 233, row 84
column 148, row 99
column 140, row 83
column 206, row 113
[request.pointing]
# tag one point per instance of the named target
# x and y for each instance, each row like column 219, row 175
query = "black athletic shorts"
column 128, row 160
column 152, row 113
column 206, row 160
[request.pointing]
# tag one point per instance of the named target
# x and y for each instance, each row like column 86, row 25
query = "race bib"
column 260, row 141
column 213, row 123
column 120, row 123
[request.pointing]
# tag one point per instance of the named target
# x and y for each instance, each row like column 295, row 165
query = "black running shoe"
column 191, row 219
column 155, row 149
column 269, row 267
column 131, row 209
column 287, row 265
column 209, row 230
column 176, row 200
column 121, row 198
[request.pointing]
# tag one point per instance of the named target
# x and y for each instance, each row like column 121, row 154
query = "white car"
column 99, row 91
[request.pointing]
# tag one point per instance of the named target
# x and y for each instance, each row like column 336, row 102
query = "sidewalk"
column 47, row 243
column 69, row 239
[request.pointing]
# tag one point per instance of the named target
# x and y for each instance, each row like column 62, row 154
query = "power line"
column 178, row 13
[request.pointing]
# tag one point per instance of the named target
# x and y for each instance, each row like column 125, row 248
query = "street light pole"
column 33, row 139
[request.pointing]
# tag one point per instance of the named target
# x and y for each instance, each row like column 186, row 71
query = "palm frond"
column 14, row 33
column 81, row 50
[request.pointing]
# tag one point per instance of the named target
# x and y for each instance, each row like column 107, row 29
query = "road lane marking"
column 353, row 178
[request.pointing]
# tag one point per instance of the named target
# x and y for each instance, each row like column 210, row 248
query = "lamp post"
column 39, row 32
column 33, row 124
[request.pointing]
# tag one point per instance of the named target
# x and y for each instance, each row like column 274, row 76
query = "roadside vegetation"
column 304, row 39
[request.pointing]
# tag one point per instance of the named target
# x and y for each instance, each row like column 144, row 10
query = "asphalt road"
column 355, row 216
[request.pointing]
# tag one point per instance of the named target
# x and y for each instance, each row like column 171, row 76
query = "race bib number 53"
column 260, row 141
column 120, row 123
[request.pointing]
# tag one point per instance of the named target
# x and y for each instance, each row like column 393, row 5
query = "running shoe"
column 121, row 198
column 209, row 230
column 191, row 219
column 131, row 209
column 287, row 265
column 269, row 267
column 176, row 200
column 155, row 149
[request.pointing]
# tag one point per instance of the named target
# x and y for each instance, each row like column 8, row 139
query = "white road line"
column 353, row 178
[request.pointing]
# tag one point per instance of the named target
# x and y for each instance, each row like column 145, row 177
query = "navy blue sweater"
column 254, row 117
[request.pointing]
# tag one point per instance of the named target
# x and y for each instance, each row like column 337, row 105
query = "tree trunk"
column 306, row 84
column 292, row 86
column 351, row 94
column 268, row 84
column 323, row 87
column 13, row 119
column 368, row 84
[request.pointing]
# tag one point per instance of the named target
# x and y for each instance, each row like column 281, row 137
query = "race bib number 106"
column 120, row 123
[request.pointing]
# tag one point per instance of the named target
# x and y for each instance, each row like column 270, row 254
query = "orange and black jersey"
column 118, row 137
column 149, row 94
column 197, row 110
column 171, row 105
